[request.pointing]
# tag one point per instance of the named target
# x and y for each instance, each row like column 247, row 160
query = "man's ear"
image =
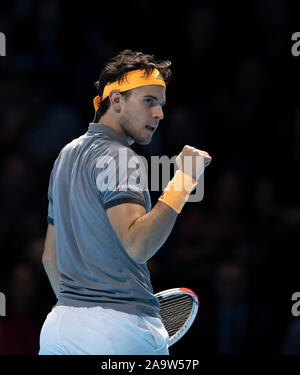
column 115, row 100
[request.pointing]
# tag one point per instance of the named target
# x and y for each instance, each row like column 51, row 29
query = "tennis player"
column 101, row 227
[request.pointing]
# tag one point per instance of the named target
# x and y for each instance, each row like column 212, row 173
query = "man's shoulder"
column 70, row 147
column 75, row 143
column 100, row 148
column 113, row 149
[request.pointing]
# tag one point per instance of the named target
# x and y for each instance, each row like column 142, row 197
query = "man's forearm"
column 53, row 273
column 150, row 231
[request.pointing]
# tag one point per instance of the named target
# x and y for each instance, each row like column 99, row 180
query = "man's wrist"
column 178, row 190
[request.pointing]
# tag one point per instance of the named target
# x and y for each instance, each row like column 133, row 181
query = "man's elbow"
column 49, row 252
column 137, row 251
column 48, row 256
column 45, row 258
column 137, row 256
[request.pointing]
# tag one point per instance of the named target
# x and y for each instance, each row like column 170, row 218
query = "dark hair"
column 124, row 62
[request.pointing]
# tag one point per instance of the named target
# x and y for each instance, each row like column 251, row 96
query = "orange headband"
column 132, row 80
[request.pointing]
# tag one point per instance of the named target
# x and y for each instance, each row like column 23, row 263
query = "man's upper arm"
column 121, row 217
column 50, row 244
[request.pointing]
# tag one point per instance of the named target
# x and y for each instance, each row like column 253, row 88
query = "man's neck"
column 114, row 124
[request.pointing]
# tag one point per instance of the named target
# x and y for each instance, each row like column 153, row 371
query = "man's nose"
column 158, row 112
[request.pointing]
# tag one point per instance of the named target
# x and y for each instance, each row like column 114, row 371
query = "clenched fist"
column 193, row 161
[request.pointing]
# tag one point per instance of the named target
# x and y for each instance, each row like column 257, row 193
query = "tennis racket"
column 178, row 310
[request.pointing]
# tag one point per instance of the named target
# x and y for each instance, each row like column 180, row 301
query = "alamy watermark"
column 296, row 46
column 296, row 305
column 127, row 171
column 2, row 304
column 2, row 44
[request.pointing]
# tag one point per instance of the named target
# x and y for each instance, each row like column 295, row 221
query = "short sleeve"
column 120, row 177
column 50, row 219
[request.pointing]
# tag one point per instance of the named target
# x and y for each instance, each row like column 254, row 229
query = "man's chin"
column 143, row 141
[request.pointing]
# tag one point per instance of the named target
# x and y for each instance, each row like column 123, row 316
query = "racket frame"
column 186, row 326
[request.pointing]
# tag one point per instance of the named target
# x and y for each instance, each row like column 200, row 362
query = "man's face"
column 141, row 112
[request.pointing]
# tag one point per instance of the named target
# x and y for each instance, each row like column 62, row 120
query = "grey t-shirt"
column 90, row 175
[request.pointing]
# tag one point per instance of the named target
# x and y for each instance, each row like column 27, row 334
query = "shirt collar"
column 107, row 130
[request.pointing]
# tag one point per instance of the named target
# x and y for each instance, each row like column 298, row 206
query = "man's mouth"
column 150, row 128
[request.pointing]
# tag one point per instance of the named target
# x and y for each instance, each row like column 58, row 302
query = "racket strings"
column 175, row 311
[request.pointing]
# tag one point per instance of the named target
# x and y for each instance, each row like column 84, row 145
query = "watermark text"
column 296, row 46
column 127, row 171
column 296, row 305
column 2, row 44
column 2, row 304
